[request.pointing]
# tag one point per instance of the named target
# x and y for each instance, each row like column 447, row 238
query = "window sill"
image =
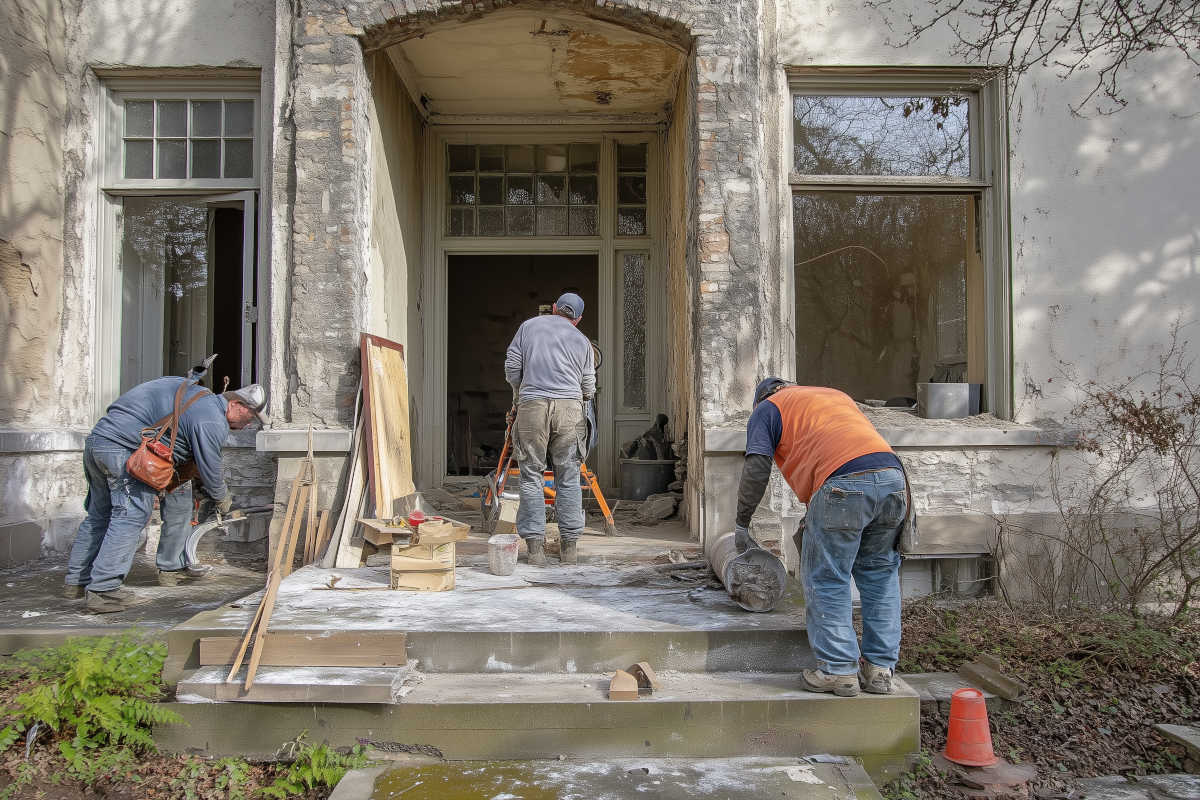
column 902, row 430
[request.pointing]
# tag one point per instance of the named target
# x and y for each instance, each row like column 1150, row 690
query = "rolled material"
column 755, row 579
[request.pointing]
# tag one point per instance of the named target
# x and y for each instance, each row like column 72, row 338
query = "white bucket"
column 502, row 553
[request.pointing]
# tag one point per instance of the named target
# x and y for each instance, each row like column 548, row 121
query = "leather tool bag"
column 153, row 463
column 909, row 540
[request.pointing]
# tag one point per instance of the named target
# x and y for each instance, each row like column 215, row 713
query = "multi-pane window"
column 522, row 190
column 631, row 190
column 187, row 139
column 887, row 193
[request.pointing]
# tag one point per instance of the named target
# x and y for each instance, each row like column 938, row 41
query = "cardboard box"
column 442, row 530
column 423, row 567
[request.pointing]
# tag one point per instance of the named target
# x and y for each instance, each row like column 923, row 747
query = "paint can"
column 502, row 553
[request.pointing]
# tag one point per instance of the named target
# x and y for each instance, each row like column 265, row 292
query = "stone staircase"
column 517, row 668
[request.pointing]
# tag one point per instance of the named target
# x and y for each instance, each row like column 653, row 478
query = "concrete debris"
column 407, row 678
column 657, row 507
column 755, row 579
column 986, row 673
column 1149, row 787
column 1002, row 779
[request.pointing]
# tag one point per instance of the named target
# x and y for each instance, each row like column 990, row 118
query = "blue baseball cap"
column 572, row 304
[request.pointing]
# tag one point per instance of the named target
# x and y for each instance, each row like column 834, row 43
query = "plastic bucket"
column 502, row 553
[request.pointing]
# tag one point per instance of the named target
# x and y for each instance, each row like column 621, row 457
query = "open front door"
column 188, row 287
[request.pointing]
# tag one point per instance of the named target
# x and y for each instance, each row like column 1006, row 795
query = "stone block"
column 20, row 542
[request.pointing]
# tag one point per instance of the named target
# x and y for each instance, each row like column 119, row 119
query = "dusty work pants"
column 556, row 428
column 850, row 533
column 118, row 508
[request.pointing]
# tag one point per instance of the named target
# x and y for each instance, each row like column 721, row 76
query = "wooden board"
column 383, row 649
column 387, row 434
column 345, row 551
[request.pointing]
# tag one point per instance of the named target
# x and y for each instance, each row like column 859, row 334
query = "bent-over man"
column 552, row 373
column 119, row 505
column 834, row 460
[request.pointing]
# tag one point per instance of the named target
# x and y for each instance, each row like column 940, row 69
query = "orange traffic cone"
column 969, row 741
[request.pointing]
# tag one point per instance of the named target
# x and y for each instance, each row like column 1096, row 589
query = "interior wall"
column 681, row 254
column 397, row 179
column 490, row 296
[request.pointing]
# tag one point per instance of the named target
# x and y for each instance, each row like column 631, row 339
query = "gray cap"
column 255, row 397
column 571, row 303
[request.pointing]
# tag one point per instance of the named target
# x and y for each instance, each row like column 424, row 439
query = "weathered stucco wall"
column 1105, row 239
column 681, row 286
column 33, row 108
column 397, row 181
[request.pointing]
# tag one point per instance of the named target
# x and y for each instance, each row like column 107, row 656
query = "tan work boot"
column 873, row 679
column 118, row 599
column 568, row 552
column 73, row 591
column 537, row 552
column 842, row 685
column 175, row 577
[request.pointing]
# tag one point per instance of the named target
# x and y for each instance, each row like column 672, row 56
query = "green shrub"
column 313, row 766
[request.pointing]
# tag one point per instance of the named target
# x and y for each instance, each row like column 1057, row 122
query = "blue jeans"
column 119, row 507
column 850, row 531
column 556, row 428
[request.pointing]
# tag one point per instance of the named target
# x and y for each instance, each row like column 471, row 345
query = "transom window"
column 188, row 139
column 523, row 190
column 898, row 234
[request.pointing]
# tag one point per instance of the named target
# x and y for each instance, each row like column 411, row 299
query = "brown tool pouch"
column 153, row 463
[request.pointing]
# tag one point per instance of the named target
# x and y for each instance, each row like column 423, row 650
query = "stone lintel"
column 279, row 441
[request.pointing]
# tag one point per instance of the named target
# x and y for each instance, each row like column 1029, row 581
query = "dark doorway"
column 489, row 297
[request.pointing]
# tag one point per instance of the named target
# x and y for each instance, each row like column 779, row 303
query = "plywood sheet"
column 382, row 649
column 385, row 408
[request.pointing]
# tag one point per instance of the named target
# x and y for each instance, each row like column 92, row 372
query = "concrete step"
column 487, row 716
column 667, row 779
column 579, row 619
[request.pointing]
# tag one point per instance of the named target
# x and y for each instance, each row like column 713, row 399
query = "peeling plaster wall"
column 50, row 216
column 681, row 157
column 394, row 287
column 1105, row 238
column 33, row 109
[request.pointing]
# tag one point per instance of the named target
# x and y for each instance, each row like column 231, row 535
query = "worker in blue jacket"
column 119, row 505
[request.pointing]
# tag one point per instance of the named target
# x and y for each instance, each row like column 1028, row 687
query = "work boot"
column 815, row 680
column 568, row 551
column 118, row 599
column 175, row 577
column 873, row 679
column 73, row 591
column 537, row 552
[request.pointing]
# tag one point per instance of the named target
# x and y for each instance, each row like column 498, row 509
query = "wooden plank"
column 375, row 649
column 268, row 602
column 293, row 498
column 350, row 500
column 385, row 408
column 322, row 533
column 348, row 552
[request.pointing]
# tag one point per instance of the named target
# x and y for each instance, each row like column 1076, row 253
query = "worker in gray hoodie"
column 551, row 369
column 119, row 505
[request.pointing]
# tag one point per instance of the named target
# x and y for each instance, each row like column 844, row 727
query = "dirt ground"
column 1097, row 682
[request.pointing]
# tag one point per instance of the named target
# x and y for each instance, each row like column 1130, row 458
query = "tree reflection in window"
column 844, row 135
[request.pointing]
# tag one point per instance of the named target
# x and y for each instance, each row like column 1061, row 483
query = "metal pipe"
column 755, row 579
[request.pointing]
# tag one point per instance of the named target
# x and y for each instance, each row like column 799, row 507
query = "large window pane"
column 881, row 135
column 880, row 291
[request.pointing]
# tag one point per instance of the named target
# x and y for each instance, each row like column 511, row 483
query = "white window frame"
column 987, row 181
column 115, row 88
column 118, row 90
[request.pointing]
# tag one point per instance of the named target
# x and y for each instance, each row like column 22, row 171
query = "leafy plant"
column 101, row 691
column 313, row 766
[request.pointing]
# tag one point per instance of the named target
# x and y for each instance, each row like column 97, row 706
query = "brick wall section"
column 331, row 205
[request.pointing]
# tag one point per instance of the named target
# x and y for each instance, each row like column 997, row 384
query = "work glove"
column 511, row 416
column 225, row 505
column 741, row 538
